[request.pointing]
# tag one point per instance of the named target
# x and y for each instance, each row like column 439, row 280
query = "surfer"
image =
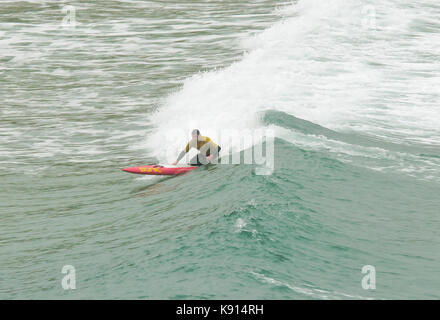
column 209, row 151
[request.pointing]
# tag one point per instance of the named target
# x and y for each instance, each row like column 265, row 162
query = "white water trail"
column 367, row 66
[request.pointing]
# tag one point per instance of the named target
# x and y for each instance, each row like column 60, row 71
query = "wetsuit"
column 205, row 145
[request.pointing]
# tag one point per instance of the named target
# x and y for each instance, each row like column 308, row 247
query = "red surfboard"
column 159, row 170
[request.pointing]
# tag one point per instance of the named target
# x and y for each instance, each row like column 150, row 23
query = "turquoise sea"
column 349, row 89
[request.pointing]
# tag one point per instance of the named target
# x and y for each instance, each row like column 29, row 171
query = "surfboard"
column 159, row 170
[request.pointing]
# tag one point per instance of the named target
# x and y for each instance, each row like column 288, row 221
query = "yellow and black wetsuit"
column 205, row 145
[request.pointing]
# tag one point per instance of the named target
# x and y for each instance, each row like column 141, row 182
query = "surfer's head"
column 195, row 134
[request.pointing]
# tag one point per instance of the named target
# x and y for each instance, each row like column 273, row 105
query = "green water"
column 356, row 187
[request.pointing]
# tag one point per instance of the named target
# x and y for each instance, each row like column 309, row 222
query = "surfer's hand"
column 174, row 163
column 209, row 158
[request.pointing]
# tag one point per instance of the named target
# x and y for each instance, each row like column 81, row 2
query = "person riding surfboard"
column 209, row 151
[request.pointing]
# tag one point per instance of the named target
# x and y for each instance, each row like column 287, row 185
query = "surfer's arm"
column 182, row 154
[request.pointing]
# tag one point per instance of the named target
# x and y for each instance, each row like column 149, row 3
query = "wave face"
column 349, row 89
column 366, row 67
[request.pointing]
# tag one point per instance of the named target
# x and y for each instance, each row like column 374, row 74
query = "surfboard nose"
column 131, row 169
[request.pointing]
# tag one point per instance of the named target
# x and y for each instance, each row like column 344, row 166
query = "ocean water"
column 350, row 90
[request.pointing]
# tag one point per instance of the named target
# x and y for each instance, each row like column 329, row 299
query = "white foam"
column 319, row 64
column 312, row 292
column 239, row 225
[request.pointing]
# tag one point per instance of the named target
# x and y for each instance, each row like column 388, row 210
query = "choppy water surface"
column 350, row 90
